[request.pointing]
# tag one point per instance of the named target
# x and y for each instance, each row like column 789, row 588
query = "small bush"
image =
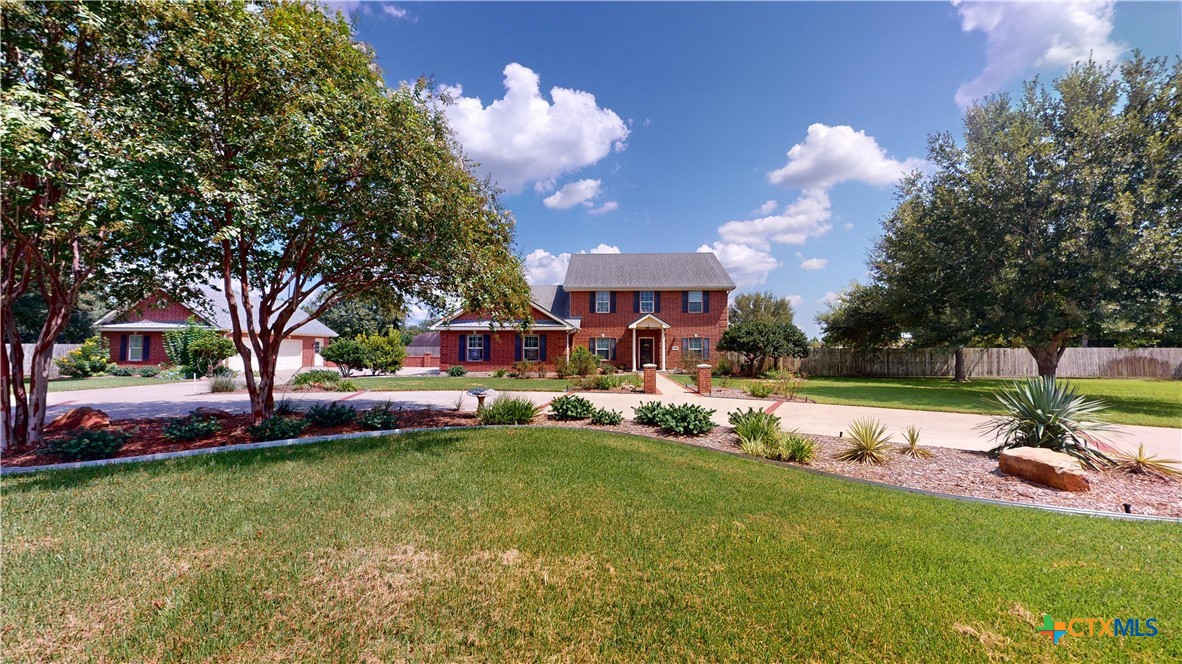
column 911, row 447
column 330, row 415
column 571, row 407
column 685, row 420
column 759, row 390
column 84, row 445
column 723, row 367
column 755, row 425
column 149, row 372
column 455, row 371
column 191, row 428
column 582, row 361
column 752, row 446
column 219, row 384
column 562, row 367
column 348, row 354
column 276, row 428
column 499, row 373
column 648, row 413
column 796, row 447
column 285, row 407
column 379, row 418
column 506, row 409
column 91, row 358
column 605, row 417
column 343, row 386
column 120, row 371
column 869, row 442
column 524, row 368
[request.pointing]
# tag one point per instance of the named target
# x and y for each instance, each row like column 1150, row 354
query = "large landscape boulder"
column 206, row 411
column 79, row 418
column 1046, row 467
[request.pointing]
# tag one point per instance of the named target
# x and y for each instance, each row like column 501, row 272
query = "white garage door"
column 291, row 356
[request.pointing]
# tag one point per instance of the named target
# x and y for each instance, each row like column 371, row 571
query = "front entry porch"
column 645, row 340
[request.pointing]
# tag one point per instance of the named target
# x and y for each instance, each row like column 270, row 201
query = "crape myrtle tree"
column 77, row 216
column 311, row 183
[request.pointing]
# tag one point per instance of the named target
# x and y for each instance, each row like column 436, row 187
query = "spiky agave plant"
column 910, row 446
column 1042, row 412
column 869, row 442
column 1141, row 463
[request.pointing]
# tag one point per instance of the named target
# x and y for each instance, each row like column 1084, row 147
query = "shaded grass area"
column 100, row 382
column 1132, row 401
column 533, row 544
column 404, row 383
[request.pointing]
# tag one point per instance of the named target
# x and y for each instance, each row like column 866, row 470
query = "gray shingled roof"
column 551, row 298
column 699, row 270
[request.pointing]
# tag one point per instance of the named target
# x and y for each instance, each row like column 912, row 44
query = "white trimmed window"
column 135, row 347
column 694, row 346
column 648, row 302
column 316, row 346
column 603, row 348
column 475, row 348
column 603, row 302
column 695, row 302
column 531, row 347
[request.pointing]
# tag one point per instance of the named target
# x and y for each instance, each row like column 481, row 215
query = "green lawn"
column 1148, row 402
column 403, row 383
column 531, row 544
column 99, row 382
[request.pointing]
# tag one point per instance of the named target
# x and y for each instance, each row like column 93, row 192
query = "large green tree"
column 757, row 341
column 357, row 316
column 310, row 181
column 760, row 307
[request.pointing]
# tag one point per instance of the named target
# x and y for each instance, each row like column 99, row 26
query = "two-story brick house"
column 629, row 309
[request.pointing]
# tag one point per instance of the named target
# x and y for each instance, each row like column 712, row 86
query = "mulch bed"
column 956, row 472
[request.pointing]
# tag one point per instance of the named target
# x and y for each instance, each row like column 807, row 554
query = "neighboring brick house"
column 630, row 309
column 136, row 334
column 423, row 351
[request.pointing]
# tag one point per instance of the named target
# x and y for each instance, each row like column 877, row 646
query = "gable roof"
column 425, row 340
column 552, row 300
column 680, row 271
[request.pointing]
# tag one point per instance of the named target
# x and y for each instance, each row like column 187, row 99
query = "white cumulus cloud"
column 747, row 265
column 609, row 206
column 1023, row 36
column 811, row 263
column 604, row 249
column 767, row 207
column 832, row 155
column 806, row 217
column 573, row 193
column 795, row 300
column 543, row 267
column 395, row 11
column 524, row 137
column 830, row 297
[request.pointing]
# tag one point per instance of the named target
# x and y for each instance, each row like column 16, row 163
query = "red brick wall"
column 148, row 309
column 155, row 345
column 503, row 350
column 429, row 360
column 709, row 325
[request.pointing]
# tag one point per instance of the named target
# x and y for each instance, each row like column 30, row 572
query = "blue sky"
column 770, row 133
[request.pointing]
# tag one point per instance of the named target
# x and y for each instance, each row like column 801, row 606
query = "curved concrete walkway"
column 956, row 430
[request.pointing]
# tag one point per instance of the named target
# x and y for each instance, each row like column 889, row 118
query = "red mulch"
column 147, row 435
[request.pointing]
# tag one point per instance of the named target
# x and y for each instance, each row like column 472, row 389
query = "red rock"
column 206, row 411
column 80, row 418
column 1046, row 467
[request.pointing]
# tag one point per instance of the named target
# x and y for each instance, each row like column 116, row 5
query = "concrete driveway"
column 956, row 430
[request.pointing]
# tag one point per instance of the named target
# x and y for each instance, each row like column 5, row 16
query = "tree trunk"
column 1047, row 355
column 38, row 392
column 15, row 406
column 959, row 372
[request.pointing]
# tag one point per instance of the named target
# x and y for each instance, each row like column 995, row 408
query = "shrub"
column 605, row 417
column 120, row 371
column 911, row 447
column 91, row 358
column 381, row 353
column 220, row 384
column 582, row 361
column 797, row 448
column 330, row 415
column 323, row 379
column 752, row 446
column 455, row 371
column 755, row 425
column 723, row 367
column 1044, row 413
column 505, row 409
column 192, row 427
column 379, row 418
column 343, row 386
column 149, row 372
column 208, row 350
column 348, row 354
column 499, row 373
column 276, row 428
column 1141, row 463
column 648, row 413
column 788, row 386
column 523, row 368
column 869, row 442
column 84, row 445
column 285, row 407
column 606, row 382
column 571, row 407
column 685, row 420
column 759, row 390
column 562, row 367
column 689, row 361
column 211, row 347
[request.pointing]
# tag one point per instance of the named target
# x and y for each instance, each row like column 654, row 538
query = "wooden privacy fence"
column 990, row 362
column 58, row 351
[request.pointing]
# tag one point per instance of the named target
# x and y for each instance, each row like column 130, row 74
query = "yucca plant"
column 1140, row 463
column 752, row 446
column 1044, row 413
column 506, row 409
column 755, row 425
column 869, row 442
column 910, row 446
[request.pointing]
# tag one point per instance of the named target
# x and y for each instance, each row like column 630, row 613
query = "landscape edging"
column 289, row 442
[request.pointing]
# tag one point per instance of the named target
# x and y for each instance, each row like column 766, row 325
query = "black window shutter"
column 636, row 302
column 706, row 348
column 591, row 345
column 705, row 302
column 612, row 299
column 147, row 345
column 487, row 347
column 542, row 347
column 517, row 343
column 463, row 343
column 123, row 348
column 685, row 302
column 685, row 344
column 592, row 310
column 657, row 302
column 612, row 353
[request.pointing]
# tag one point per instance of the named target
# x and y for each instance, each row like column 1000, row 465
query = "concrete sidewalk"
column 956, row 430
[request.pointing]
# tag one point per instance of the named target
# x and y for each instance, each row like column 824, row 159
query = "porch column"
column 633, row 349
column 662, row 349
column 568, row 345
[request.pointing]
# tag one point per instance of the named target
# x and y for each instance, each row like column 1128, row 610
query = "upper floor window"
column 603, row 302
column 695, row 302
column 531, row 347
column 475, row 348
column 648, row 302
